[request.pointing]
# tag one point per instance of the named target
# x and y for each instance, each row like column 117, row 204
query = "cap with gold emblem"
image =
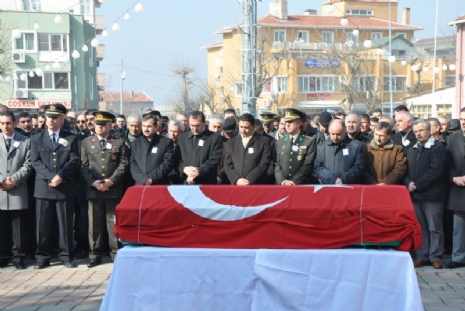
column 291, row 114
column 102, row 117
column 55, row 110
column 267, row 117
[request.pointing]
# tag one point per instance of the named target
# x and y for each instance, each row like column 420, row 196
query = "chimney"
column 310, row 12
column 406, row 16
column 131, row 94
column 279, row 9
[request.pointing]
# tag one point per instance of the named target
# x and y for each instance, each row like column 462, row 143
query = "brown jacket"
column 387, row 165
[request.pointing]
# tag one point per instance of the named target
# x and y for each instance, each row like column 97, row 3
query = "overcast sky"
column 169, row 32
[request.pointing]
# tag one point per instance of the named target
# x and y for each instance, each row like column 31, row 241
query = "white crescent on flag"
column 195, row 200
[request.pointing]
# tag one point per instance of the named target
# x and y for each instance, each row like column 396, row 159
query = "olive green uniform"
column 294, row 160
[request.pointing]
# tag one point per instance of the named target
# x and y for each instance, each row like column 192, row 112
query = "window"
column 48, row 81
column 27, row 42
column 359, row 12
column 279, row 36
column 303, row 37
column 266, row 88
column 318, row 84
column 35, row 5
column 352, row 38
column 364, row 84
column 238, row 89
column 450, row 80
column 281, row 84
column 328, row 37
column 399, row 84
column 376, row 35
column 399, row 53
column 86, row 7
column 56, row 43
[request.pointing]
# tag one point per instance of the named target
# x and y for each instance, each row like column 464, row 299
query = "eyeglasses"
column 81, row 122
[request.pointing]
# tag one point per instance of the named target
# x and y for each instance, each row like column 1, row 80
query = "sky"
column 172, row 32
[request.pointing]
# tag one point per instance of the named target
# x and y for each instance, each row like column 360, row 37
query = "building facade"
column 40, row 65
column 337, row 60
column 133, row 102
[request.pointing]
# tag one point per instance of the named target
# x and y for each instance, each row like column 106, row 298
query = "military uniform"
column 55, row 155
column 100, row 161
column 294, row 161
column 294, row 158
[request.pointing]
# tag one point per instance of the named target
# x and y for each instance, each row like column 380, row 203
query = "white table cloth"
column 171, row 279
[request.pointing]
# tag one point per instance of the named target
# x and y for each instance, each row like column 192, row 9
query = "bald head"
column 337, row 131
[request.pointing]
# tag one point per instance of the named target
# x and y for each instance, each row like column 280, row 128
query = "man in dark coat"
column 55, row 158
column 199, row 152
column 104, row 162
column 354, row 130
column 456, row 147
column 295, row 152
column 152, row 155
column 404, row 136
column 339, row 159
column 248, row 155
column 426, row 181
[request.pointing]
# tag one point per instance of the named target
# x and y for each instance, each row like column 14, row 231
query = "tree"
column 5, row 50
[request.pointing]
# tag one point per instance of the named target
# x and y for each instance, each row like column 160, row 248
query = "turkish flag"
column 267, row 216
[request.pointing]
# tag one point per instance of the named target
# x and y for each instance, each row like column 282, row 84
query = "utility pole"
column 390, row 64
column 123, row 76
column 249, row 54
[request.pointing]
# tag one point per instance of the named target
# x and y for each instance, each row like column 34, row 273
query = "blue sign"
column 321, row 63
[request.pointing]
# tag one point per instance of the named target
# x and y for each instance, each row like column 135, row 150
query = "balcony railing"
column 99, row 23
column 101, row 52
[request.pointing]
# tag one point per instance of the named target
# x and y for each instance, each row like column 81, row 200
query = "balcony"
column 100, row 52
column 99, row 23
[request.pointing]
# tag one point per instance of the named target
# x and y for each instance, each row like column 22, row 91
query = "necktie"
column 8, row 144
column 102, row 143
column 54, row 140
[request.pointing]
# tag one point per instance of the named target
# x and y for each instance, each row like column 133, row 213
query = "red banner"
column 33, row 104
column 318, row 96
column 267, row 216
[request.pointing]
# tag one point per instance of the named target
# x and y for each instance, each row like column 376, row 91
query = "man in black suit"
column 152, row 155
column 55, row 158
column 456, row 147
column 199, row 152
column 248, row 155
column 104, row 162
column 404, row 136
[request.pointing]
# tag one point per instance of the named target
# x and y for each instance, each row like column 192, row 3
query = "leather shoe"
column 437, row 264
column 455, row 265
column 19, row 265
column 69, row 264
column 417, row 263
column 93, row 263
column 42, row 265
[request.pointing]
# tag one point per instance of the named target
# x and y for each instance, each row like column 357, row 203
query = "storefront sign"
column 33, row 104
column 319, row 96
column 321, row 63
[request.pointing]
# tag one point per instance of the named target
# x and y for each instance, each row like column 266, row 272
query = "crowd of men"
column 62, row 174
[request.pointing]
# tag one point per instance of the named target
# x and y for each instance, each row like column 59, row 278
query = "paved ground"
column 55, row 288
column 82, row 289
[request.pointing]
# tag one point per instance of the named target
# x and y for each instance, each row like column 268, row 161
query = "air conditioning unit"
column 19, row 57
column 22, row 93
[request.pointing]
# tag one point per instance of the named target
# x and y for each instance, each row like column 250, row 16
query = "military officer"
column 267, row 120
column 104, row 162
column 295, row 153
column 55, row 158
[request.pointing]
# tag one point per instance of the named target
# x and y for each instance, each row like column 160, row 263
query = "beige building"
column 337, row 60
column 133, row 102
